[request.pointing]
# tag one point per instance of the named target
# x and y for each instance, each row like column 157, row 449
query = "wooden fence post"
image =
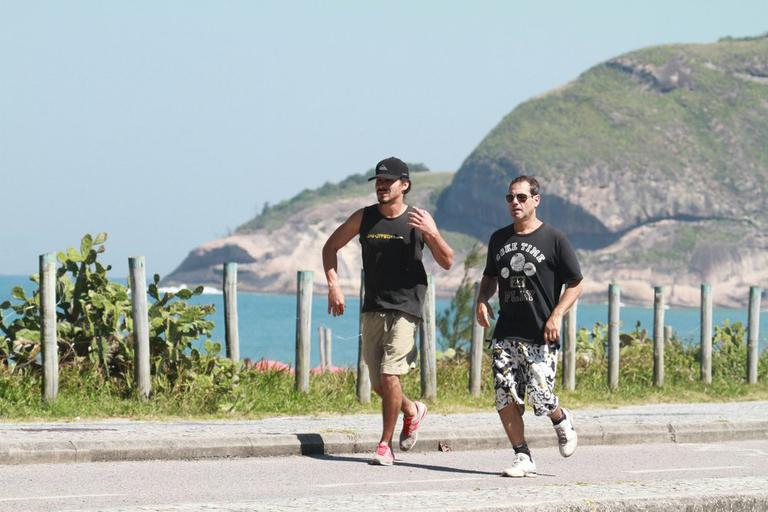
column 706, row 334
column 658, row 336
column 476, row 352
column 363, row 379
column 49, row 344
column 138, row 282
column 305, row 279
column 427, row 353
column 755, row 293
column 614, row 297
column 230, row 312
column 569, row 348
column 321, row 346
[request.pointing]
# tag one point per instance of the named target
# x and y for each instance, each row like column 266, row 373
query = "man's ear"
column 408, row 188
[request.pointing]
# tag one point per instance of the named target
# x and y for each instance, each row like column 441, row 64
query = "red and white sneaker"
column 410, row 433
column 383, row 455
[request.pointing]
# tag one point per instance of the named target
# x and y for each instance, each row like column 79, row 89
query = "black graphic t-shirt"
column 530, row 270
column 394, row 274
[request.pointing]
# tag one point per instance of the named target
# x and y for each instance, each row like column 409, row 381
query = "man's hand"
column 335, row 301
column 552, row 328
column 423, row 221
column 484, row 314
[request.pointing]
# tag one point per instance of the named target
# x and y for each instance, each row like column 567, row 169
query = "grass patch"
column 253, row 395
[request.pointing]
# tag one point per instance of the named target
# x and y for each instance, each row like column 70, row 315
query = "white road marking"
column 751, row 452
column 672, row 470
column 395, row 482
column 64, row 497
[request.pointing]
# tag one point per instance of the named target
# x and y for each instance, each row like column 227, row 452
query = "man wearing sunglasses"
column 529, row 262
column 392, row 235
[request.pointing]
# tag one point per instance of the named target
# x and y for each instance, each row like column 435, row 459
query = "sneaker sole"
column 524, row 475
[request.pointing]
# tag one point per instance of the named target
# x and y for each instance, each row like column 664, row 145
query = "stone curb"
column 337, row 443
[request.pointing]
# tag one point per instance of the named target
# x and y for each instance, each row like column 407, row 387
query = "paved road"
column 466, row 480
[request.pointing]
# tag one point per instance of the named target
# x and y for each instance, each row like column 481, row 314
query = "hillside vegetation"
column 289, row 236
column 654, row 163
column 657, row 133
column 353, row 185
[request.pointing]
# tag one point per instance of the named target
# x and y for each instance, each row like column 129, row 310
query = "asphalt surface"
column 431, row 480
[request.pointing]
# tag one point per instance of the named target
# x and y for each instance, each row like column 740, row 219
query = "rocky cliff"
column 270, row 249
column 654, row 163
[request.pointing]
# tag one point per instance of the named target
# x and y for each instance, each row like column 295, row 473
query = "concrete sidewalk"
column 116, row 440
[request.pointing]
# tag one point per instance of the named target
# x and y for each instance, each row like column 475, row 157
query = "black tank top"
column 394, row 274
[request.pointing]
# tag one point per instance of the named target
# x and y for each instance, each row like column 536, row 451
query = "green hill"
column 351, row 186
column 669, row 132
column 654, row 163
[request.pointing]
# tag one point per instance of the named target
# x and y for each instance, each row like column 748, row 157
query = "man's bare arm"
column 338, row 239
column 567, row 299
column 441, row 251
column 483, row 309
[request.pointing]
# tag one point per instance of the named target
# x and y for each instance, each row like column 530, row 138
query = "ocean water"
column 267, row 322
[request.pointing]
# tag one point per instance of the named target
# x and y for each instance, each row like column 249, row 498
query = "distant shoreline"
column 22, row 280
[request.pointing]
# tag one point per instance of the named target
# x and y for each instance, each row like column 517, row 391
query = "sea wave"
column 207, row 290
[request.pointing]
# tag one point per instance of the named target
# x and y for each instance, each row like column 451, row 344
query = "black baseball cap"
column 391, row 169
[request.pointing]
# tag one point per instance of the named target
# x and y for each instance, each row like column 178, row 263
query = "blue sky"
column 167, row 124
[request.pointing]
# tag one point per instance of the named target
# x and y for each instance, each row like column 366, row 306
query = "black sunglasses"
column 521, row 198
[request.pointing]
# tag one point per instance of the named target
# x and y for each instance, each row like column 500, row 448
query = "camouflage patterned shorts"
column 521, row 367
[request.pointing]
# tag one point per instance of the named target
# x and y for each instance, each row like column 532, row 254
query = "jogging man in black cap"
column 392, row 235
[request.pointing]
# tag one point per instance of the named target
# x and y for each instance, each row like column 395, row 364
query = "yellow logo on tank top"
column 383, row 236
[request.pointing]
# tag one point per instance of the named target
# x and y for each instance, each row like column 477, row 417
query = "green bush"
column 94, row 326
column 681, row 365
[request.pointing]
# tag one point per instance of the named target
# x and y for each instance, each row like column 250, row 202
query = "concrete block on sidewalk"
column 474, row 439
column 38, row 453
column 718, row 432
column 633, row 433
column 162, row 449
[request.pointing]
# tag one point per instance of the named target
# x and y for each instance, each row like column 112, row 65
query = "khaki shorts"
column 389, row 343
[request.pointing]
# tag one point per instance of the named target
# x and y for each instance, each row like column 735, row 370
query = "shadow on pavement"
column 311, row 444
column 399, row 462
